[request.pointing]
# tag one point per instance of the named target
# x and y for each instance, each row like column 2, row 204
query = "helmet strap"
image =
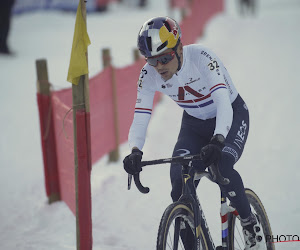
column 177, row 56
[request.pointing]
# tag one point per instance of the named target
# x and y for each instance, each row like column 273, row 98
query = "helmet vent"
column 162, row 46
column 167, row 26
column 149, row 44
column 150, row 23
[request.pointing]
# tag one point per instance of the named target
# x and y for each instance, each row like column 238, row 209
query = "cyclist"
column 215, row 119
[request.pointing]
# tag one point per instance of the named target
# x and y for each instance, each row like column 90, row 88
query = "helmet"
column 157, row 35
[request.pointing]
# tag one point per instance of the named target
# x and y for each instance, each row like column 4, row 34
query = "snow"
column 261, row 53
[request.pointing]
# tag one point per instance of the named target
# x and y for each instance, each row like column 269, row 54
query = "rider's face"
column 168, row 70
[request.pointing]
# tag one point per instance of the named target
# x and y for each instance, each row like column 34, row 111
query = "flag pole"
column 82, row 157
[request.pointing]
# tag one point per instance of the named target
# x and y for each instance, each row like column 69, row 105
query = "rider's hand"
column 212, row 152
column 132, row 162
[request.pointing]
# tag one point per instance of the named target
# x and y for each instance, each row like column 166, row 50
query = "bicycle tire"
column 234, row 229
column 178, row 215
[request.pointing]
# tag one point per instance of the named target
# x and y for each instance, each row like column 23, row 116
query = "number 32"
column 213, row 65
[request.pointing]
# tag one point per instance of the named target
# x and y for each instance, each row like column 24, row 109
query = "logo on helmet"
column 175, row 31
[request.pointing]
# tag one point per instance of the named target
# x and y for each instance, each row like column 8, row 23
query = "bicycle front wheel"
column 236, row 238
column 177, row 230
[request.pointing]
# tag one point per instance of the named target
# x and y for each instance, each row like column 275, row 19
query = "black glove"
column 212, row 152
column 132, row 162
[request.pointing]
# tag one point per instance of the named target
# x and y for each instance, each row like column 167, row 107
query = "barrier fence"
column 112, row 102
column 23, row 6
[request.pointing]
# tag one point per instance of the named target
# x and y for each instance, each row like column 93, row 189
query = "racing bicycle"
column 183, row 224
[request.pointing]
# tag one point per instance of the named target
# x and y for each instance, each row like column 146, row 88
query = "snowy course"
column 261, row 53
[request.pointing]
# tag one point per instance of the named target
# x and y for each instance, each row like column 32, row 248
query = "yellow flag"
column 78, row 62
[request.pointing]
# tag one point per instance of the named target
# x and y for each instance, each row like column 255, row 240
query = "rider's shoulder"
column 195, row 49
column 199, row 52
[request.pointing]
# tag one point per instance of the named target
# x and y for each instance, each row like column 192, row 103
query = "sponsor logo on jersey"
column 232, row 193
column 231, row 151
column 206, row 55
column 227, row 84
column 184, row 151
column 191, row 80
column 182, row 91
column 141, row 78
column 139, row 83
column 167, row 85
column 143, row 73
column 240, row 136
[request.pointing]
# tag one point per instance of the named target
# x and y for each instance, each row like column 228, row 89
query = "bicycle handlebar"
column 213, row 169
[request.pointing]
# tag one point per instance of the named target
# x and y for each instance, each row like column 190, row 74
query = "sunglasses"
column 163, row 59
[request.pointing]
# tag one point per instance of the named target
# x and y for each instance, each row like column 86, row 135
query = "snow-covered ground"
column 260, row 52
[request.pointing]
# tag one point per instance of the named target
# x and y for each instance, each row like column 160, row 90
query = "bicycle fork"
column 225, row 210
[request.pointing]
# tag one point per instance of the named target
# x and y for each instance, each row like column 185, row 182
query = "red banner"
column 193, row 25
column 63, row 126
column 179, row 3
column 102, row 117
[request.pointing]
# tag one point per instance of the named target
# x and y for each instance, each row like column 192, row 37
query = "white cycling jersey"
column 202, row 87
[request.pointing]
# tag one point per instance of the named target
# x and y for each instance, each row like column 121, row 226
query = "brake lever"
column 129, row 181
column 216, row 175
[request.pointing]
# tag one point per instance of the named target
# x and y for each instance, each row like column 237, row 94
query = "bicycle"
column 185, row 217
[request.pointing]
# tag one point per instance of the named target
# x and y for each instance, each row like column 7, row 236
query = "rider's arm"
column 143, row 110
column 224, row 115
column 212, row 68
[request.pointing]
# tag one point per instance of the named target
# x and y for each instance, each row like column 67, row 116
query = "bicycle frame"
column 224, row 211
column 189, row 196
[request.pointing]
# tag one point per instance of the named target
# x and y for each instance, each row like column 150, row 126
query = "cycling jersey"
column 202, row 87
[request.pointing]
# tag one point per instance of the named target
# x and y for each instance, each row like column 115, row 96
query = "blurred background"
column 258, row 41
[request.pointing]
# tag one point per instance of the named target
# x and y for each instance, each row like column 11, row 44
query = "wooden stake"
column 106, row 58
column 43, row 86
column 136, row 55
column 47, row 132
